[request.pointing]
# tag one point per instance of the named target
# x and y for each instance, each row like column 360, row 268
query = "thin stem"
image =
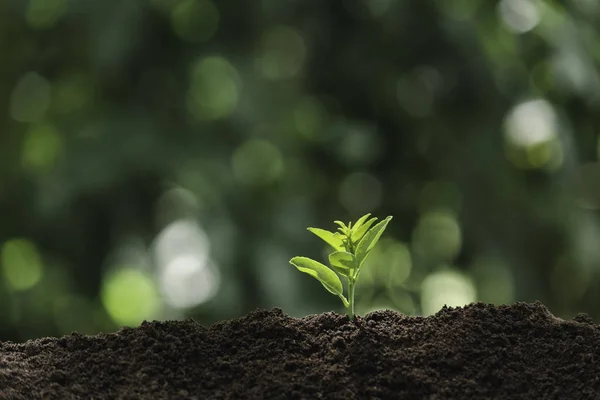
column 351, row 284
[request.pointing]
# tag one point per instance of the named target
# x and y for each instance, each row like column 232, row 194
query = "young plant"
column 351, row 245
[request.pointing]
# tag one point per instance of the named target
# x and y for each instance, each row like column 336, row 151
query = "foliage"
column 351, row 245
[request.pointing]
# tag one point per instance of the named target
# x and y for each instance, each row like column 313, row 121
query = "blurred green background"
column 161, row 159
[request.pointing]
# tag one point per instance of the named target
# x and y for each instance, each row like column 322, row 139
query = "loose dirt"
column 479, row 351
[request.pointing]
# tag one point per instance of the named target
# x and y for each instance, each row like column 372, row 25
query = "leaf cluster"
column 351, row 244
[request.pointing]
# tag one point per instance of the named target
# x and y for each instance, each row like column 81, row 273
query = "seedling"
column 351, row 245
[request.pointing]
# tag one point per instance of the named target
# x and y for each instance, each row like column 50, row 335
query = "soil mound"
column 479, row 351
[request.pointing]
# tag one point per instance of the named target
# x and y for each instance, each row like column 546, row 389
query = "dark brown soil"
column 476, row 352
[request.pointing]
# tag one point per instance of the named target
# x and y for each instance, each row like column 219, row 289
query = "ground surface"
column 476, row 352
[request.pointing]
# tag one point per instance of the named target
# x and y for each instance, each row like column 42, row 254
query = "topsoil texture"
column 477, row 352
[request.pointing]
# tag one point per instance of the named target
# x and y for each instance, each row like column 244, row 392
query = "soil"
column 479, row 351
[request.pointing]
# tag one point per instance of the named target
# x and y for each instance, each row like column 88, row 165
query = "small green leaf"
column 330, row 238
column 369, row 240
column 359, row 233
column 343, row 262
column 361, row 221
column 343, row 228
column 320, row 272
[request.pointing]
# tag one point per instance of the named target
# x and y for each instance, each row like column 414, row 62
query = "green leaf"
column 361, row 221
column 320, row 272
column 343, row 228
column 359, row 233
column 330, row 238
column 369, row 240
column 343, row 262
column 341, row 224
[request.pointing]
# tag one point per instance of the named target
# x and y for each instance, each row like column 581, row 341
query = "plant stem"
column 351, row 284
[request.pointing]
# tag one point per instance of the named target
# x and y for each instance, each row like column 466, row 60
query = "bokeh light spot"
column 188, row 281
column 176, row 204
column 573, row 73
column 540, row 155
column 42, row 148
column 72, row 94
column 257, row 162
column 459, row 10
column 44, row 14
column 188, row 276
column 531, row 123
column 519, row 16
column 195, row 20
column 403, row 301
column 30, row 98
column 179, row 238
column 282, row 53
column 358, row 145
column 214, row 89
column 193, row 177
column 389, row 263
column 22, row 265
column 546, row 155
column 437, row 236
column 309, row 118
column 129, row 296
column 494, row 280
column 449, row 287
column 360, row 192
column 531, row 134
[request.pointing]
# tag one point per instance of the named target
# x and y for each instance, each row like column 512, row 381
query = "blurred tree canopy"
column 163, row 158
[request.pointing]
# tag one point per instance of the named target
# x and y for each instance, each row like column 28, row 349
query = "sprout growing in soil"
column 352, row 245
